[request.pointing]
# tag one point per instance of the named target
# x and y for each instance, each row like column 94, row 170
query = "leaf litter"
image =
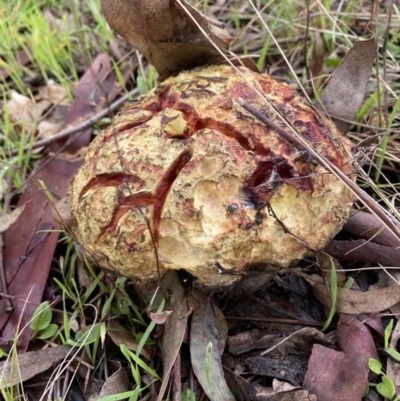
column 32, row 243
column 273, row 313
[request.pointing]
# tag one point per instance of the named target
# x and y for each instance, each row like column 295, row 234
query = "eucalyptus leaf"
column 346, row 89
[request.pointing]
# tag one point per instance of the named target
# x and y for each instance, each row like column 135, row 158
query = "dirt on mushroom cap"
column 218, row 188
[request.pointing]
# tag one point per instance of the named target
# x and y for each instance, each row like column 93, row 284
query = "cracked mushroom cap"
column 217, row 188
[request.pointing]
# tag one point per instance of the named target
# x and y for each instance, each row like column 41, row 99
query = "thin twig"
column 72, row 130
column 3, row 280
column 286, row 230
column 270, row 124
column 384, row 55
column 309, row 77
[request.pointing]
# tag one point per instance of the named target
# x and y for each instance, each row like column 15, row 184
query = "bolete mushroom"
column 187, row 170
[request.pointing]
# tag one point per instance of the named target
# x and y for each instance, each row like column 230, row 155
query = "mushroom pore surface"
column 217, row 187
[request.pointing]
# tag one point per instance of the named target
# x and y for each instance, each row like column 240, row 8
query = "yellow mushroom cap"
column 217, row 188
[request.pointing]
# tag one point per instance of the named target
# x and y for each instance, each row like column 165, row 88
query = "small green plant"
column 41, row 324
column 386, row 387
column 188, row 395
column 388, row 350
column 334, row 289
column 7, row 392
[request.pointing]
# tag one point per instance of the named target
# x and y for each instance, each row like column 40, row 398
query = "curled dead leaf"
column 317, row 60
column 166, row 32
column 30, row 364
column 354, row 302
column 119, row 335
column 54, row 93
column 346, row 89
column 366, row 225
column 3, row 188
column 6, row 220
column 160, row 318
column 334, row 375
column 206, row 355
column 24, row 112
column 62, row 214
column 117, row 383
column 47, row 129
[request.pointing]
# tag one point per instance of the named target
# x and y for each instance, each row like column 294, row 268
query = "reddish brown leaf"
column 368, row 226
column 334, row 375
column 354, row 336
column 29, row 247
column 364, row 251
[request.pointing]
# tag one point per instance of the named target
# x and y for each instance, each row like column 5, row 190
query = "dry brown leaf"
column 29, row 247
column 25, row 112
column 175, row 326
column 388, row 279
column 354, row 302
column 252, row 339
column 117, row 383
column 286, row 358
column 30, row 364
column 164, row 32
column 47, row 129
column 204, row 345
column 346, row 89
column 325, row 264
column 6, row 220
column 119, row 335
column 282, row 391
column 368, row 226
column 317, row 59
column 160, row 318
column 364, row 251
column 54, row 93
column 221, row 326
column 385, row 280
column 250, row 284
column 3, row 187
